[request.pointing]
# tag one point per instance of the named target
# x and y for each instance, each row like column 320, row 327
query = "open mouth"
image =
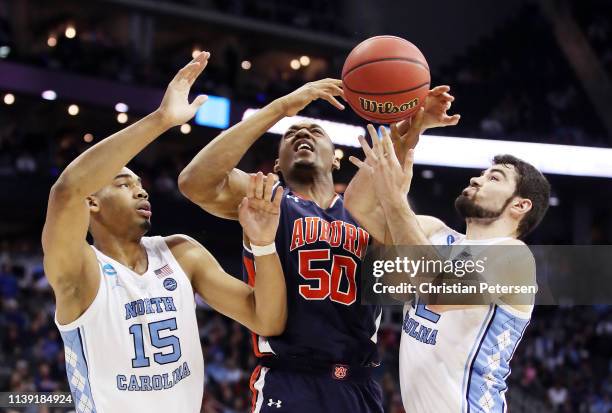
column 144, row 209
column 303, row 145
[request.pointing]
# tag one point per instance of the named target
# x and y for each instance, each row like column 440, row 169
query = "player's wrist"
column 263, row 248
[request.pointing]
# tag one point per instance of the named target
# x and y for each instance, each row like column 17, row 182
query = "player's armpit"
column 222, row 199
column 226, row 293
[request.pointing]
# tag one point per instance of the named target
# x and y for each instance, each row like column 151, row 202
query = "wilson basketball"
column 385, row 79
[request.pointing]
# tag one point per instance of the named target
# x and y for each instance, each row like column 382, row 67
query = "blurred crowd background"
column 523, row 70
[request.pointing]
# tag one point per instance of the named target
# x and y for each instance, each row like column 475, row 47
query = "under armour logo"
column 275, row 403
column 295, row 198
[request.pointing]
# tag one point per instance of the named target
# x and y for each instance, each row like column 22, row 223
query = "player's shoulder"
column 432, row 225
column 185, row 248
column 512, row 241
column 180, row 240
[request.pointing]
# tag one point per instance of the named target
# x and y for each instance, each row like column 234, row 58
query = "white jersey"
column 458, row 361
column 137, row 348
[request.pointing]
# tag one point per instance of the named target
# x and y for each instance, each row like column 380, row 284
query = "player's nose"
column 303, row 133
column 475, row 181
column 141, row 193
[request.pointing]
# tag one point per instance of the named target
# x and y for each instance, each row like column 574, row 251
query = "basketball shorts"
column 340, row 389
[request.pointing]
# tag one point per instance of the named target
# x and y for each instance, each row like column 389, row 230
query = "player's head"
column 510, row 188
column 121, row 208
column 305, row 150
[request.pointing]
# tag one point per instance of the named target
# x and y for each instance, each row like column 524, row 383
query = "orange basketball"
column 385, row 79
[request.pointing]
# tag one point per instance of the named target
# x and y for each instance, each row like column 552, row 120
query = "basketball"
column 385, row 79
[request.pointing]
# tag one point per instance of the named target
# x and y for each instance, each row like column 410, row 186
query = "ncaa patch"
column 108, row 269
column 170, row 284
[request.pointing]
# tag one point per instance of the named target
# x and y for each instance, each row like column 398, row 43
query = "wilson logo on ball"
column 386, row 107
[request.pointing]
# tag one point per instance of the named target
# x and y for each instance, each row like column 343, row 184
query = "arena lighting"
column 70, row 32
column 185, row 128
column 121, row 107
column 459, row 152
column 9, row 98
column 246, row 65
column 295, row 64
column 73, row 110
column 52, row 41
column 4, row 51
column 49, row 95
column 304, row 60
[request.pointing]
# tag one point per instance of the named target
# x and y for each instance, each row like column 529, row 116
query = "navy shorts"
column 283, row 390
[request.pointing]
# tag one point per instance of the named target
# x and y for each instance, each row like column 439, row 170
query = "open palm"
column 175, row 105
column 259, row 211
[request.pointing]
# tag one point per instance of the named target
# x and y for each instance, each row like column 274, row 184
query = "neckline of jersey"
column 305, row 198
column 125, row 266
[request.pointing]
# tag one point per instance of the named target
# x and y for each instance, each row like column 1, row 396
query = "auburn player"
column 323, row 360
column 125, row 305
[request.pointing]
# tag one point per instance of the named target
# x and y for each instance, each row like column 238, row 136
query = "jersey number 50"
column 328, row 283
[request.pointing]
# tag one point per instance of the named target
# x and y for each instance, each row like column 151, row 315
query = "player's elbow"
column 273, row 325
column 186, row 183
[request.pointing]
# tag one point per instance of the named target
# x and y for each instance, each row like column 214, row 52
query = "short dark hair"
column 530, row 184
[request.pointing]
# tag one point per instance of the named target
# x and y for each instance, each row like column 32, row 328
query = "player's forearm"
column 213, row 164
column 97, row 166
column 402, row 223
column 270, row 296
column 360, row 200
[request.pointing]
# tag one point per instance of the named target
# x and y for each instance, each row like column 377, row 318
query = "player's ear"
column 336, row 163
column 521, row 206
column 93, row 203
column 276, row 166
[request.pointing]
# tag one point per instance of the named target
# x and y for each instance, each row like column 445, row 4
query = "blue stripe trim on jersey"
column 491, row 366
column 472, row 358
column 77, row 371
column 504, row 407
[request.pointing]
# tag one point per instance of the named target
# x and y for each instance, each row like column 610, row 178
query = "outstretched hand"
column 391, row 179
column 437, row 103
column 325, row 89
column 175, row 107
column 259, row 211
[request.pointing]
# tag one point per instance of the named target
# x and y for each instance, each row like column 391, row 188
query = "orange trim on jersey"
column 254, row 378
column 250, row 268
column 249, row 265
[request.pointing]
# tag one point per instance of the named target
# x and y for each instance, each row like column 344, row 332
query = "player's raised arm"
column 262, row 308
column 67, row 258
column 359, row 198
column 211, row 179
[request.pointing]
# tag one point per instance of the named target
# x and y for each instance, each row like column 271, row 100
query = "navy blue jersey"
column 321, row 252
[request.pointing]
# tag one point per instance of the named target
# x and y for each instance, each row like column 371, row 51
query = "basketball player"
column 125, row 305
column 323, row 360
column 456, row 358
